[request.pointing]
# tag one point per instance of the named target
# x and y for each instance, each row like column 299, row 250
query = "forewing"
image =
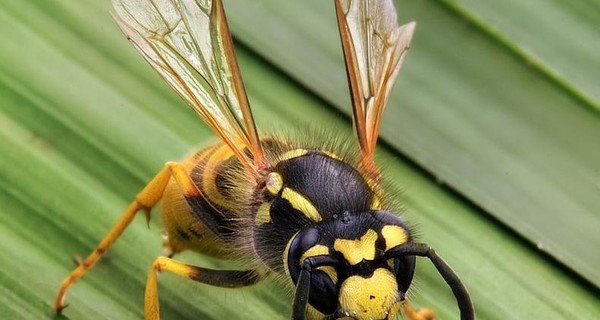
column 189, row 44
column 374, row 48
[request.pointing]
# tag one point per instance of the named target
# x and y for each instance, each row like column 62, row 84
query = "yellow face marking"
column 318, row 250
column 374, row 297
column 394, row 236
column 292, row 154
column 274, row 183
column 301, row 203
column 355, row 251
column 263, row 214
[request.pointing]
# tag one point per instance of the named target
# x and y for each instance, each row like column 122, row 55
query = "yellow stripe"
column 209, row 177
column 331, row 155
column 376, row 203
column 263, row 214
column 377, row 193
column 302, row 204
column 292, row 154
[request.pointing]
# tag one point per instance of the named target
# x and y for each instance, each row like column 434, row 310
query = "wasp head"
column 344, row 267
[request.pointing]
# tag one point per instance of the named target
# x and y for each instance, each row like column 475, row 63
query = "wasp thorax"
column 346, row 262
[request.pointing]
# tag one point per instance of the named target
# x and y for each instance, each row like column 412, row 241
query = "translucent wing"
column 189, row 44
column 374, row 48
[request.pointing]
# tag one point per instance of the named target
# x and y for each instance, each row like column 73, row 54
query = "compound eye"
column 323, row 292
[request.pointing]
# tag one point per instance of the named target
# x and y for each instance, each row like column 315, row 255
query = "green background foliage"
column 492, row 132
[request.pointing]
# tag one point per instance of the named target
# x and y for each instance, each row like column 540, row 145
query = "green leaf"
column 85, row 123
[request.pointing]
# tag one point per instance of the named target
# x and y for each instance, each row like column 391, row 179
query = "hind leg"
column 144, row 201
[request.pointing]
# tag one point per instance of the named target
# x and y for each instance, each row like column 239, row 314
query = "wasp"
column 318, row 214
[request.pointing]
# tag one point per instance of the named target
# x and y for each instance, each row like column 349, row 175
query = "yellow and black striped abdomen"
column 208, row 223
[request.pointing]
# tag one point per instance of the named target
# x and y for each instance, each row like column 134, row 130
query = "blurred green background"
column 492, row 134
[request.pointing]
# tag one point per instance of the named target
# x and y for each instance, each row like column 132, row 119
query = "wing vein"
column 374, row 47
column 188, row 43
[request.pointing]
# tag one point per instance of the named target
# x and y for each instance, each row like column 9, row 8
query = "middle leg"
column 218, row 278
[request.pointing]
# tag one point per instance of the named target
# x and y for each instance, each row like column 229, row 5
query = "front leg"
column 218, row 278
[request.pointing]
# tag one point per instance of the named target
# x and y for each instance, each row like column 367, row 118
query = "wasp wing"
column 374, row 48
column 189, row 44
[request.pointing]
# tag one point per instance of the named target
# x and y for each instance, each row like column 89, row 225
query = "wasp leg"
column 144, row 201
column 217, row 278
column 421, row 314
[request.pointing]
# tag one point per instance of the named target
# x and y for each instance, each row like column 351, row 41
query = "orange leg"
column 421, row 314
column 219, row 278
column 144, row 201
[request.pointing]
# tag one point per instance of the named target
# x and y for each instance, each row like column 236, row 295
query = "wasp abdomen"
column 207, row 223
